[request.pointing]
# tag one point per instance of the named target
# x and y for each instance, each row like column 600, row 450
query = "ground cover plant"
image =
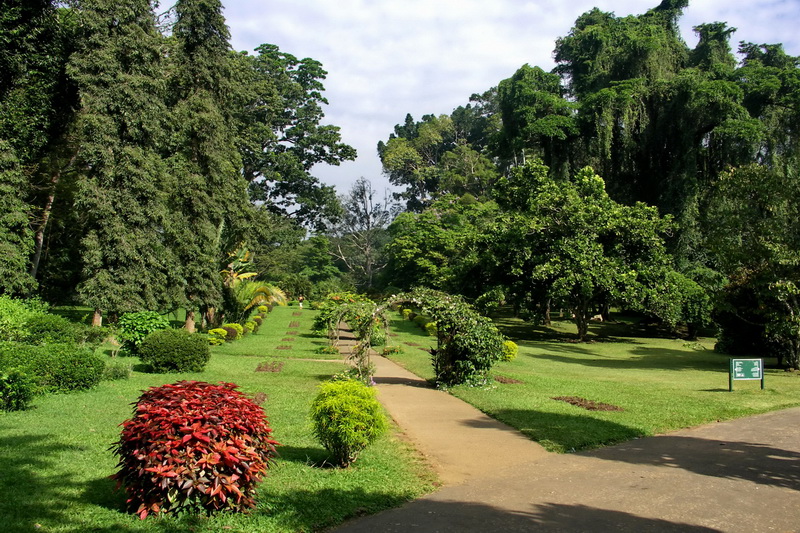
column 659, row 383
column 60, row 448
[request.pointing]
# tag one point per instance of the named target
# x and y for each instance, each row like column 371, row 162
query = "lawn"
column 657, row 383
column 55, row 463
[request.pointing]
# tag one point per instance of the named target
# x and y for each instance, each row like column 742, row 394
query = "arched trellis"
column 468, row 344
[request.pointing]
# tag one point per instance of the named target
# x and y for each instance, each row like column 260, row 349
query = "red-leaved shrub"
column 193, row 446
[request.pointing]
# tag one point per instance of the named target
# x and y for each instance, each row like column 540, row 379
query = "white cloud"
column 391, row 57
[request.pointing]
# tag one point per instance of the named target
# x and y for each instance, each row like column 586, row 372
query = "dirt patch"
column 259, row 398
column 411, row 344
column 270, row 366
column 294, row 324
column 297, row 313
column 287, row 339
column 283, row 347
column 292, row 332
column 506, row 380
column 589, row 405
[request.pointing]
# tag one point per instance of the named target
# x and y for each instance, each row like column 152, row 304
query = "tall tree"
column 119, row 131
column 209, row 193
column 360, row 234
column 282, row 135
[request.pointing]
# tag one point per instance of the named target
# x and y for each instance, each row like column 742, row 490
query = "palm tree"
column 249, row 294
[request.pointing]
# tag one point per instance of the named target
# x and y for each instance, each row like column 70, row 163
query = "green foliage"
column 407, row 314
column 132, row 328
column 468, row 344
column 116, row 370
column 263, row 309
column 237, row 328
column 346, row 418
column 250, row 326
column 14, row 314
column 54, row 367
column 430, row 329
column 175, row 350
column 16, row 237
column 207, row 448
column 16, row 390
column 46, row 328
column 217, row 336
column 510, row 350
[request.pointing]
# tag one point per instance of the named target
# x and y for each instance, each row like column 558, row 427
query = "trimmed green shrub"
column 16, row 390
column 175, row 350
column 44, row 328
column 134, row 327
column 407, row 314
column 116, row 370
column 263, row 309
column 207, row 446
column 218, row 336
column 258, row 320
column 346, row 418
column 421, row 321
column 250, row 326
column 238, row 328
column 54, row 367
column 430, row 329
column 510, row 350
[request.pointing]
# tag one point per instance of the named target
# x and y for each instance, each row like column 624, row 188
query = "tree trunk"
column 48, row 208
column 97, row 319
column 581, row 317
column 189, row 325
column 547, row 321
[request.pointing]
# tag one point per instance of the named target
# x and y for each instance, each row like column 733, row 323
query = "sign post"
column 745, row 369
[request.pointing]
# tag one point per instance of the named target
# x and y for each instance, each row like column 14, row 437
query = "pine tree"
column 120, row 129
column 209, row 194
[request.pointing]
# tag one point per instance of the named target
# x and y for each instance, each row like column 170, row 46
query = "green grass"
column 55, row 462
column 660, row 383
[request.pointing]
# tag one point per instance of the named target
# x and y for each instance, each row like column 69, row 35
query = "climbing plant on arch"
column 468, row 344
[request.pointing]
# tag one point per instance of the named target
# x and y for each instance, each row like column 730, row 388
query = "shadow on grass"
column 454, row 516
column 310, row 510
column 642, row 358
column 757, row 463
column 303, row 455
column 563, row 432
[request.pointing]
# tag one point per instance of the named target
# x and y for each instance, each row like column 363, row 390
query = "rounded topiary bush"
column 346, row 418
column 175, row 350
column 234, row 331
column 510, row 350
column 193, row 446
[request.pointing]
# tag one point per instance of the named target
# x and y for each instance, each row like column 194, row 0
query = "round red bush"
column 193, row 446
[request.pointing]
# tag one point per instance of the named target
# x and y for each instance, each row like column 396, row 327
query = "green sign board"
column 746, row 369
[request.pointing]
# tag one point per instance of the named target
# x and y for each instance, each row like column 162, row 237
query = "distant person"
column 300, row 301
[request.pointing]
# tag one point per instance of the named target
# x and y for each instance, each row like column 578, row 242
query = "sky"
column 387, row 58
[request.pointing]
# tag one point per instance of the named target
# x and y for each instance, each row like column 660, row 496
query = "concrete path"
column 737, row 476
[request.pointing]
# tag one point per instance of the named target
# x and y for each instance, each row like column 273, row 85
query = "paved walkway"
column 737, row 476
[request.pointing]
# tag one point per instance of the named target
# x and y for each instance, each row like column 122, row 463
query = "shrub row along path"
column 741, row 475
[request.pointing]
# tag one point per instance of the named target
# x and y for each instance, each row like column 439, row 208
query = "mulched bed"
column 297, row 313
column 589, row 405
column 291, row 332
column 411, row 344
column 283, row 347
column 294, row 324
column 274, row 366
column 507, row 381
column 287, row 339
